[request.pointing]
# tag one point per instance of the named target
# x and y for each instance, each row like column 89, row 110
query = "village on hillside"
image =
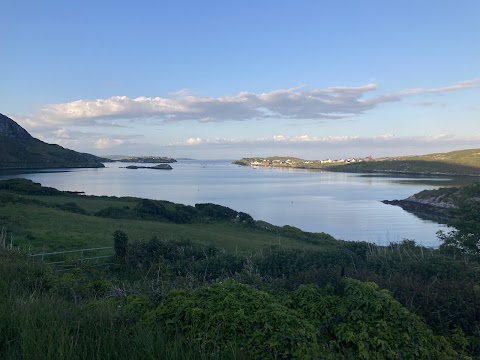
column 295, row 162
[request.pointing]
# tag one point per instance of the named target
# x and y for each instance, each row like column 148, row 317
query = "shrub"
column 120, row 243
column 231, row 314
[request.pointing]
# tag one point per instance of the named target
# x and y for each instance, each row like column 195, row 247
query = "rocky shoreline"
column 422, row 209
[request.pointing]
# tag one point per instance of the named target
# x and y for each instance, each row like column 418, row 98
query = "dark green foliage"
column 150, row 208
column 358, row 321
column 180, row 254
column 279, row 262
column 216, row 212
column 364, row 322
column 245, row 219
column 120, row 243
column 359, row 248
column 221, row 266
column 437, row 287
column 296, row 233
column 116, row 213
column 155, row 210
column 28, row 187
column 466, row 221
column 231, row 313
column 341, row 319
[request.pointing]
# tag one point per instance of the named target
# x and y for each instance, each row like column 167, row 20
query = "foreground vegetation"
column 259, row 291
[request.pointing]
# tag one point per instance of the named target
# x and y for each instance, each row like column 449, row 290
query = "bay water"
column 347, row 206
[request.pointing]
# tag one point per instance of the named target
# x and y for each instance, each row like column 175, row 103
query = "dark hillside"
column 19, row 150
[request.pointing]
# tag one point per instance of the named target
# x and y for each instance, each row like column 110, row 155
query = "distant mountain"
column 19, row 150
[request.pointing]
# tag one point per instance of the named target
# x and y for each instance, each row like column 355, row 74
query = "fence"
column 53, row 257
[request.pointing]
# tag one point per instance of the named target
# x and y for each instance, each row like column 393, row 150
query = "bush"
column 216, row 212
column 120, row 243
column 364, row 322
column 231, row 314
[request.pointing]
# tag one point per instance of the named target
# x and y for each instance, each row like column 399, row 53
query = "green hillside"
column 47, row 219
column 461, row 162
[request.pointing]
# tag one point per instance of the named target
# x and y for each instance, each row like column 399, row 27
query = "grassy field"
column 47, row 223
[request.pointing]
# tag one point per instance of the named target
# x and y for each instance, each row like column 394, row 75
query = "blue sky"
column 225, row 79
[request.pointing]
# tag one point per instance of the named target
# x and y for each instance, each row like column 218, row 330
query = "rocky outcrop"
column 423, row 209
column 436, row 205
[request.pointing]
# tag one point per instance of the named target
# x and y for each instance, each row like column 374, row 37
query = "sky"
column 232, row 79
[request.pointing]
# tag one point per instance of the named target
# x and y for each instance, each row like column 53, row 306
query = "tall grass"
column 40, row 321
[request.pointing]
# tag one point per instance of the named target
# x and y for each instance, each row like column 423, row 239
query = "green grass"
column 44, row 228
column 91, row 204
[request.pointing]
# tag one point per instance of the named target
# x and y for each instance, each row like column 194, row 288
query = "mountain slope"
column 19, row 150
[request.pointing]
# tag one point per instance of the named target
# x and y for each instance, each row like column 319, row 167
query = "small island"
column 148, row 159
column 156, row 167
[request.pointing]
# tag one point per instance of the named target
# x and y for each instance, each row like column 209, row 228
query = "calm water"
column 346, row 206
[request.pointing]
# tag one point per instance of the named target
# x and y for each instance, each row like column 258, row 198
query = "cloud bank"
column 293, row 103
column 334, row 147
column 345, row 140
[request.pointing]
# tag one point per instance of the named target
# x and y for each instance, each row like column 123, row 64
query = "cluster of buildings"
column 299, row 162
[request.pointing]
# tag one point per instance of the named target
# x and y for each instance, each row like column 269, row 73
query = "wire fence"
column 71, row 258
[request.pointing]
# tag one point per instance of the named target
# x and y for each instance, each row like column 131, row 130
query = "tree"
column 466, row 221
column 120, row 242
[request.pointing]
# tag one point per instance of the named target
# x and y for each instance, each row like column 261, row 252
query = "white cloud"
column 193, row 141
column 334, row 147
column 342, row 139
column 62, row 133
column 293, row 103
column 106, row 143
